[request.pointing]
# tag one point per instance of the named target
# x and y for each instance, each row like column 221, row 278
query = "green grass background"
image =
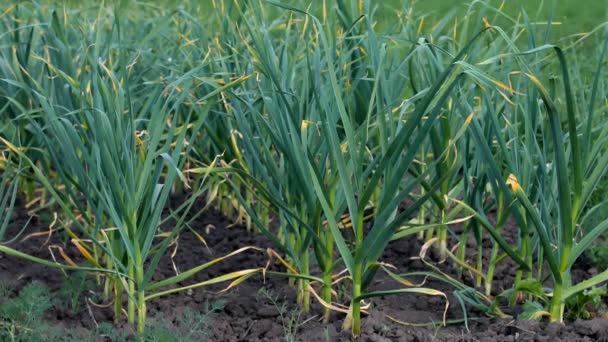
column 576, row 16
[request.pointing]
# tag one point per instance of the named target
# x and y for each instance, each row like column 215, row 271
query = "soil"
column 251, row 315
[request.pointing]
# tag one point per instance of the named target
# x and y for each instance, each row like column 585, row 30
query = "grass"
column 324, row 119
column 571, row 16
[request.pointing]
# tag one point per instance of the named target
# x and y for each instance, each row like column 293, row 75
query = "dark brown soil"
column 250, row 315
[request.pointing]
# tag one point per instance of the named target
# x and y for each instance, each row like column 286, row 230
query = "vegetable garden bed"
column 385, row 178
column 265, row 309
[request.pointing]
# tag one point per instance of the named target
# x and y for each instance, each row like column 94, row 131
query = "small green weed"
column 21, row 316
column 192, row 326
column 72, row 291
column 586, row 304
column 290, row 317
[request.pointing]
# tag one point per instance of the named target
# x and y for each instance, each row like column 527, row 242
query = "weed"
column 72, row 290
column 22, row 316
column 191, row 326
column 290, row 317
column 196, row 325
column 109, row 332
column 586, row 304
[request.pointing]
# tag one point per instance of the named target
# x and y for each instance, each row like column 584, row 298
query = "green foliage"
column 190, row 326
column 291, row 317
column 195, row 326
column 29, row 306
column 115, row 150
column 531, row 310
column 108, row 331
column 327, row 119
column 599, row 255
column 9, row 185
column 22, row 317
column 586, row 304
column 568, row 16
column 74, row 286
